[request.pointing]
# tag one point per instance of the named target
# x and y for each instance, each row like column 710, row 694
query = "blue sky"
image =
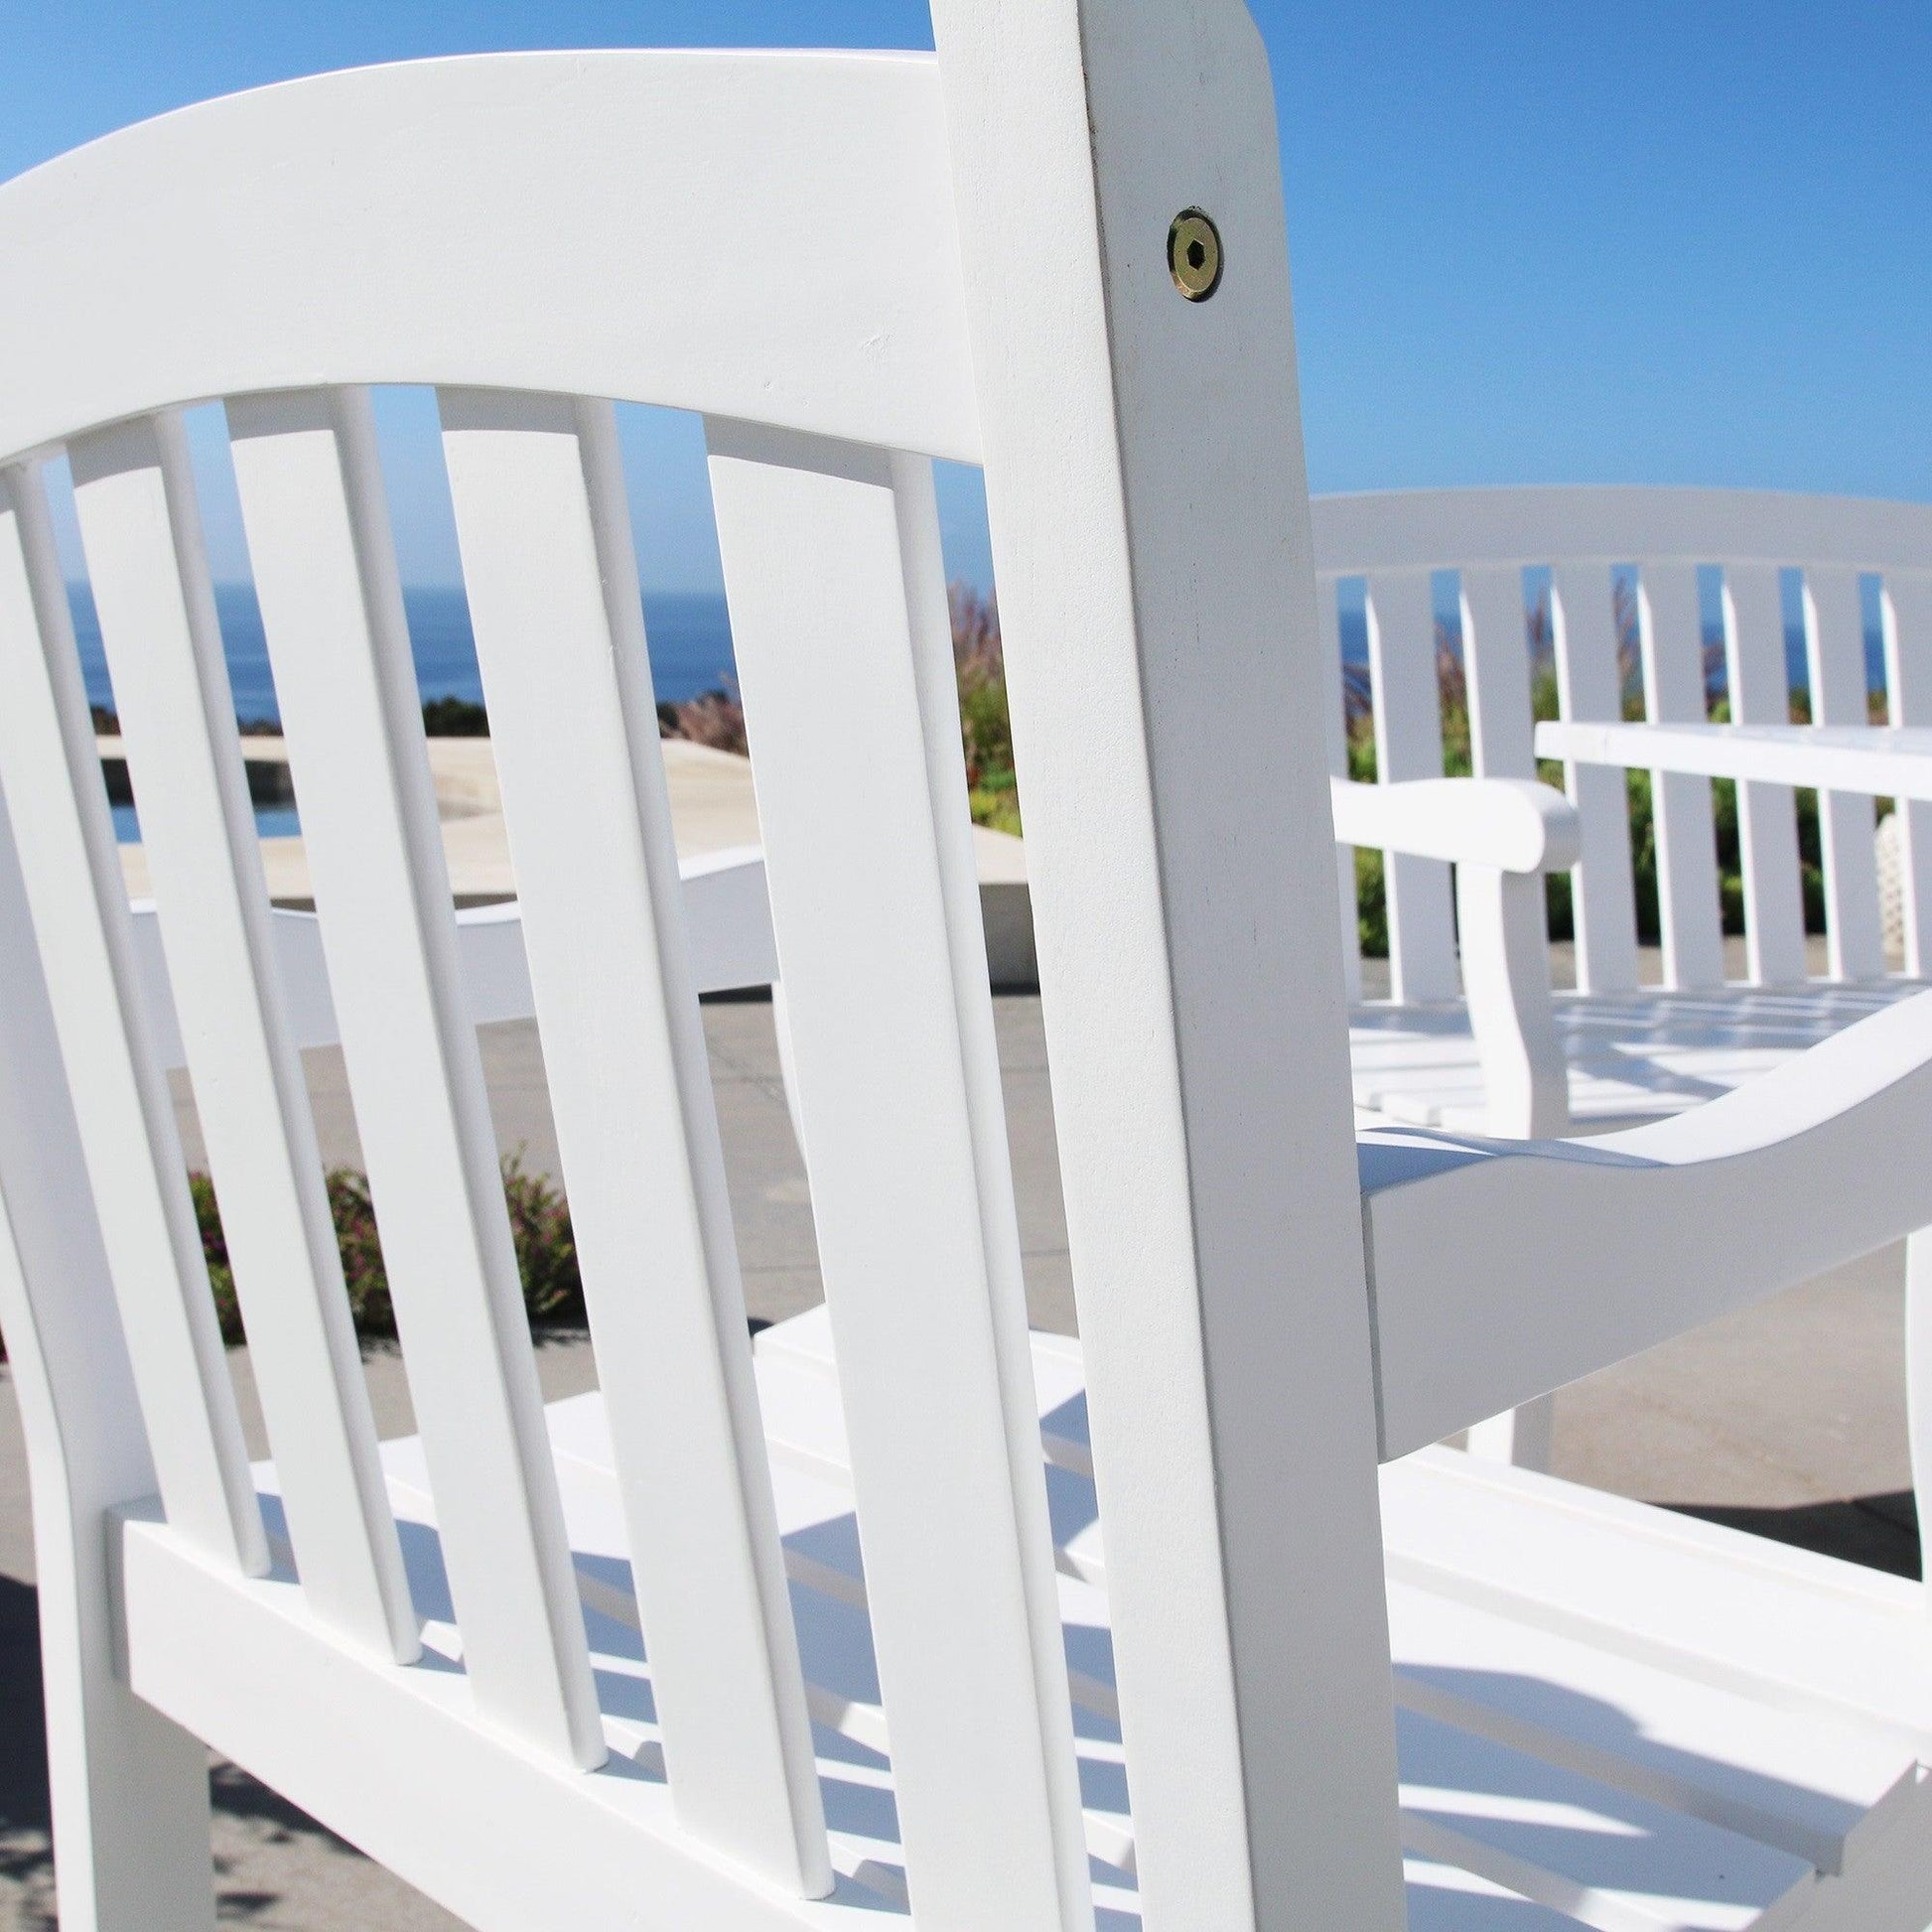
column 1647, row 241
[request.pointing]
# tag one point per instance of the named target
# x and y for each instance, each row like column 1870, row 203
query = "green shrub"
column 547, row 1250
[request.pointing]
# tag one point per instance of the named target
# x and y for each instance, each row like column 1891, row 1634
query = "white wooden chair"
column 1028, row 1639
column 1636, row 1051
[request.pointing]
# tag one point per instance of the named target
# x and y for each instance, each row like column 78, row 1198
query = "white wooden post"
column 1767, row 824
column 1687, row 852
column 1504, row 923
column 1835, row 655
column 1150, row 533
column 1603, row 905
column 1409, row 744
column 1336, row 719
column 1905, row 603
column 128, row 1789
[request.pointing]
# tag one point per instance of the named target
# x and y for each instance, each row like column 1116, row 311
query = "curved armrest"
column 1512, row 824
column 1502, row 1270
column 1869, row 758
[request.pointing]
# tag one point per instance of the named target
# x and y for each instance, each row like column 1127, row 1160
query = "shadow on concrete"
column 24, row 1855
column 1881, row 1532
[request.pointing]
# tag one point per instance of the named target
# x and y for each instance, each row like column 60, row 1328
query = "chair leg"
column 1520, row 1437
column 129, row 1789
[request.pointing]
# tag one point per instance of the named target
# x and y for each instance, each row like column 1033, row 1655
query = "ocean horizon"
column 689, row 634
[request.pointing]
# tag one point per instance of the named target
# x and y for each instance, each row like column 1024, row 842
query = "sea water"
column 689, row 634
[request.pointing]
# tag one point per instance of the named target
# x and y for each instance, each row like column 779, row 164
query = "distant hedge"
column 547, row 1250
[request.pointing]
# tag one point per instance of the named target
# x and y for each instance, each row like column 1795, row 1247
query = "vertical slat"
column 1906, row 602
column 1409, row 744
column 1671, row 635
column 1336, row 721
column 1496, row 662
column 1590, row 689
column 1835, row 657
column 1767, row 823
column 126, row 1116
column 141, row 525
column 332, row 606
column 928, row 1322
column 554, row 601
column 1150, row 523
column 127, row 1789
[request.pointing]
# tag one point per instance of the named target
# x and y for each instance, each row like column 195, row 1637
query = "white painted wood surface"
column 1400, row 617
column 1671, row 643
column 1157, row 593
column 134, row 492
column 546, row 546
column 529, row 203
column 128, row 1790
column 331, row 609
column 1424, row 1069
column 1905, row 619
column 1589, row 686
column 1136, row 1668
column 982, row 1750
column 125, row 1114
column 1835, row 657
column 1759, row 687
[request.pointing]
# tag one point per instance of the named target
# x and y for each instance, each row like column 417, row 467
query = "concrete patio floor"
column 1789, row 1418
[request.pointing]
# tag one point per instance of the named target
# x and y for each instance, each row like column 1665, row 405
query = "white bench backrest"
column 786, row 243
column 1396, row 539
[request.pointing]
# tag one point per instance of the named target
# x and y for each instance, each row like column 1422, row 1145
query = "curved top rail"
column 1444, row 529
column 768, row 235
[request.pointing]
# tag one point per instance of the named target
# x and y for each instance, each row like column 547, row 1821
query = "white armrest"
column 1569, row 1255
column 1512, row 824
column 1867, row 758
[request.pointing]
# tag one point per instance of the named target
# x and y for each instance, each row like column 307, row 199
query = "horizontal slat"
column 1567, row 1256
column 1867, row 759
column 557, row 185
column 124, row 1111
column 1448, row 529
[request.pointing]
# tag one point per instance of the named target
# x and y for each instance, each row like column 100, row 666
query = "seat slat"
column 1671, row 635
column 554, row 601
column 832, row 571
column 141, row 525
column 1588, row 683
column 331, row 607
column 1335, row 723
column 1906, row 608
column 1767, row 825
column 1409, row 744
column 120, row 1097
column 1835, row 657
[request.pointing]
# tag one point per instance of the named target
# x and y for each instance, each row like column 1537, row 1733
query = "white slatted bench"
column 840, row 1633
column 1635, row 1050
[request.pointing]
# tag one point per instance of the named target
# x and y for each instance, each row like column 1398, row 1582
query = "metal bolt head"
column 1194, row 253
